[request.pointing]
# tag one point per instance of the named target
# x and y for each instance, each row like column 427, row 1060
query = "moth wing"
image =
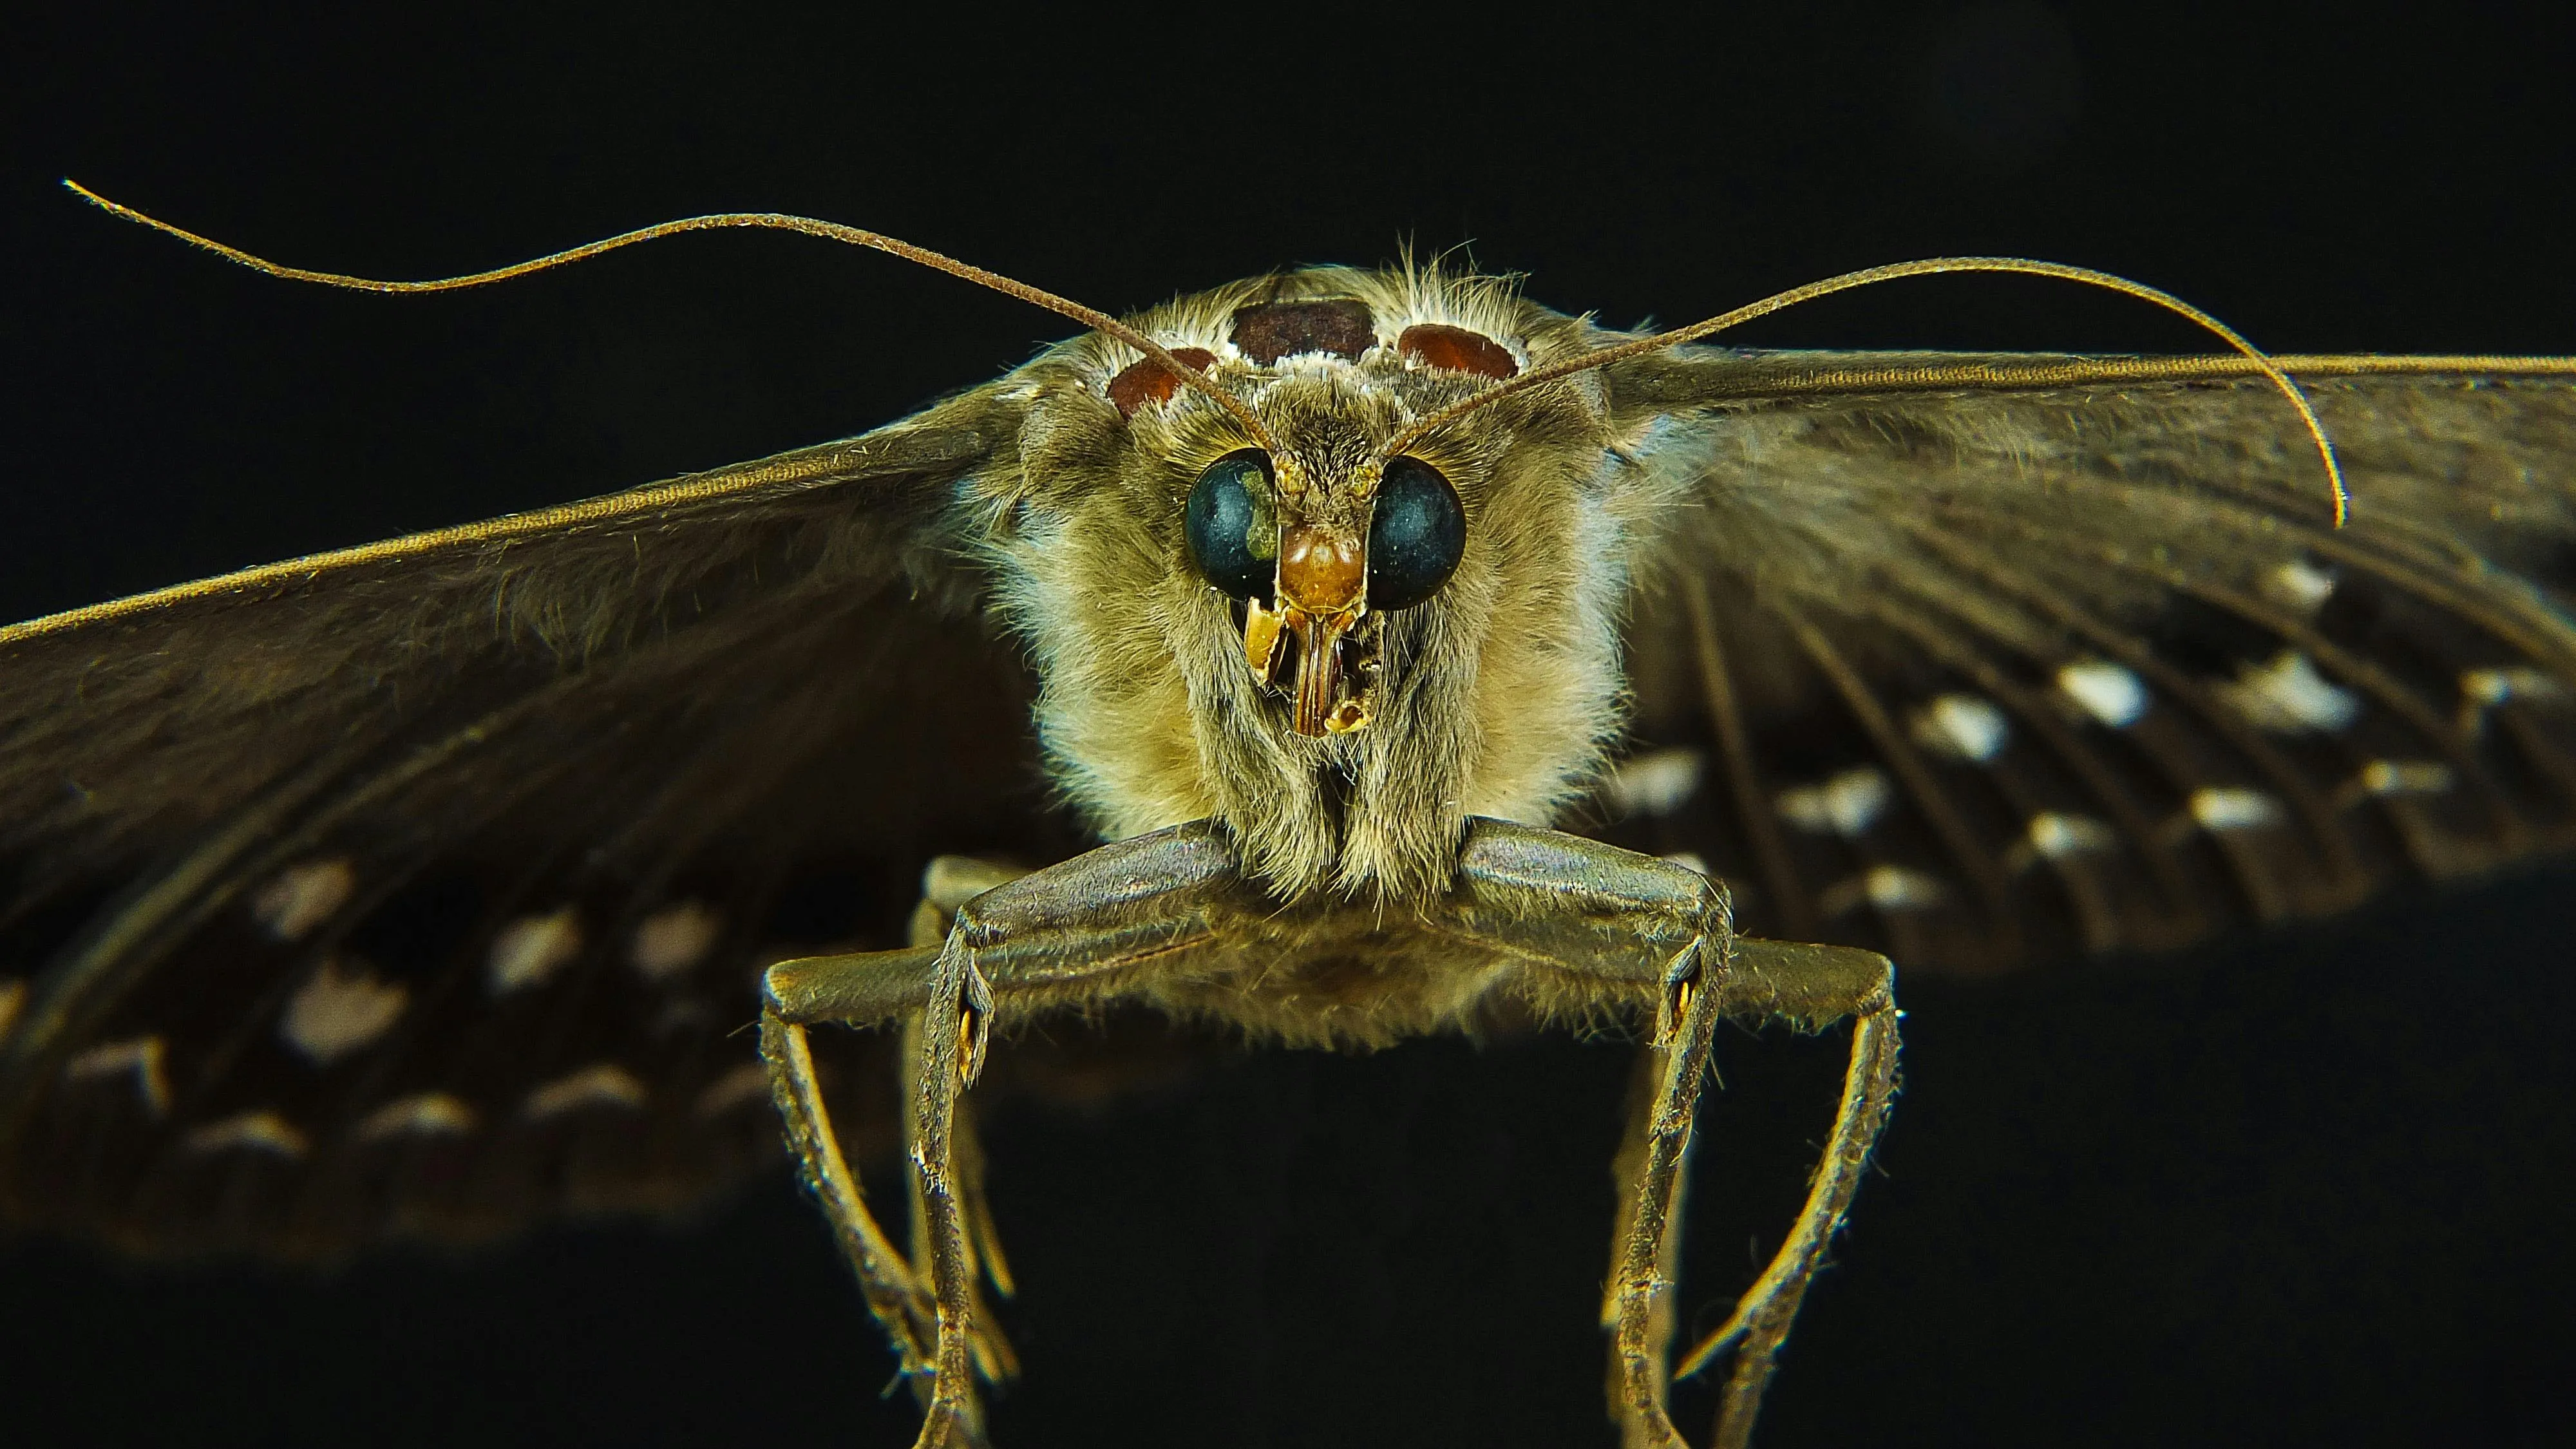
column 421, row 889
column 1992, row 659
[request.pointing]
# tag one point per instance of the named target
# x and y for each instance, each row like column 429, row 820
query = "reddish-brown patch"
column 1455, row 349
column 1269, row 331
column 1146, row 381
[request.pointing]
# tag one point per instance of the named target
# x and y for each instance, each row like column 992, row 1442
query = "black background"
column 2305, row 1188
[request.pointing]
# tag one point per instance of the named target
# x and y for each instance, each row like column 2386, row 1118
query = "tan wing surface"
column 420, row 889
column 1985, row 660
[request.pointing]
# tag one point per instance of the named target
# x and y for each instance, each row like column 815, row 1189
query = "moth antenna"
column 1089, row 317
column 1779, row 301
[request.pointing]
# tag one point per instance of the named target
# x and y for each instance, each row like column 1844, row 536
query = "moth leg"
column 1624, row 925
column 1808, row 987
column 1627, row 1173
column 1069, row 934
column 1619, row 926
column 1641, row 1284
column 894, row 1296
column 948, row 883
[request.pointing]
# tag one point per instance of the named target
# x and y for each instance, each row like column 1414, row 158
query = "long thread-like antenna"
column 1190, row 376
column 1778, row 301
column 1089, row 317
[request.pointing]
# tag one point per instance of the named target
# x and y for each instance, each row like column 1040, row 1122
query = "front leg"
column 1569, row 923
column 895, row 1292
column 1607, row 922
column 1611, row 920
column 1069, row 935
column 947, row 885
column 1807, row 987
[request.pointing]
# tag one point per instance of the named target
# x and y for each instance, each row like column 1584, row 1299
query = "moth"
column 428, row 888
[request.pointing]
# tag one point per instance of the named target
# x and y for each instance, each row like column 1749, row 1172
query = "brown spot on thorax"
column 1147, row 381
column 1269, row 331
column 1436, row 344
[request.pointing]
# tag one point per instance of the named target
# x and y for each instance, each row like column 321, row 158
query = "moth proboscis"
column 415, row 889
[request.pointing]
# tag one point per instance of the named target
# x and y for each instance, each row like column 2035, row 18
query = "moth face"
column 1338, row 648
column 1317, row 569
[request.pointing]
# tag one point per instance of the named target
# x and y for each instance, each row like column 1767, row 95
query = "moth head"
column 1339, row 647
column 1317, row 545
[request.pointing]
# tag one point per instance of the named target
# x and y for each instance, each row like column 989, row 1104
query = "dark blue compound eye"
column 1416, row 536
column 1232, row 533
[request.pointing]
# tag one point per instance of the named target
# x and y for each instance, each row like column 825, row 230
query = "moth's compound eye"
column 1232, row 532
column 1416, row 536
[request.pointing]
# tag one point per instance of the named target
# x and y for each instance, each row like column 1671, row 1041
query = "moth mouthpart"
column 1330, row 674
column 1264, row 633
column 1323, row 592
column 1319, row 668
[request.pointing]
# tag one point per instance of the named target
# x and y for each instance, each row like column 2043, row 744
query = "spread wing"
column 420, row 889
column 1984, row 660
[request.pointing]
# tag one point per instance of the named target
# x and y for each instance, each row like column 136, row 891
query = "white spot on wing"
column 141, row 1056
column 599, row 1085
column 1848, row 804
column 673, row 939
column 250, row 1131
column 2403, row 777
column 2233, row 807
column 333, row 1015
column 2299, row 585
column 1886, row 887
column 1687, row 860
column 745, row 1083
column 303, row 896
column 2055, row 835
column 2106, row 691
column 2060, row 837
column 1658, row 782
column 2288, row 694
column 1894, row 888
column 2385, row 779
column 532, row 948
column 2495, row 686
column 2484, row 689
column 423, row 1114
column 1962, row 725
column 13, row 999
